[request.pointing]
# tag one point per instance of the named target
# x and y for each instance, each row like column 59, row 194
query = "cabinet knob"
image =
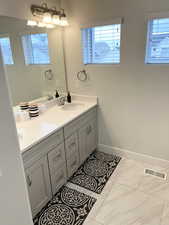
column 29, row 181
column 58, row 154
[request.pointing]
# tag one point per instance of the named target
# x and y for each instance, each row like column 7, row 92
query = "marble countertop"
column 33, row 131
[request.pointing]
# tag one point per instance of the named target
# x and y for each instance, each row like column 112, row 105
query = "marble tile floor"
column 130, row 197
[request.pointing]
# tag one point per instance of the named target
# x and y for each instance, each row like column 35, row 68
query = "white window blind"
column 158, row 41
column 101, row 44
column 36, row 49
column 6, row 50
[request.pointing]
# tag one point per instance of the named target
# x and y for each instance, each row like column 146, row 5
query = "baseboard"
column 133, row 155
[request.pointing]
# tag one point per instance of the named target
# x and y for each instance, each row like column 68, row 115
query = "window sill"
column 157, row 64
column 103, row 64
column 47, row 64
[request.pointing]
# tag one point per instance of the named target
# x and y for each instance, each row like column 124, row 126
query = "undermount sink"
column 44, row 104
column 71, row 106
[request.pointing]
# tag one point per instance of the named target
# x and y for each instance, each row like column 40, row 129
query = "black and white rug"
column 68, row 207
column 95, row 172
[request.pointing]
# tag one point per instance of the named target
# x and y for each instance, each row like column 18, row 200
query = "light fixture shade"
column 63, row 21
column 56, row 19
column 50, row 26
column 31, row 23
column 47, row 18
column 40, row 24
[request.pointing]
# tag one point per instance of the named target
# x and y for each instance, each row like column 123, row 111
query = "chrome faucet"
column 61, row 100
column 50, row 97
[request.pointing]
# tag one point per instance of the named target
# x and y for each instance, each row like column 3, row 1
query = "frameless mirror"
column 34, row 59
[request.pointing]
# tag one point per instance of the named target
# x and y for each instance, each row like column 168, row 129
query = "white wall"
column 133, row 97
column 14, row 203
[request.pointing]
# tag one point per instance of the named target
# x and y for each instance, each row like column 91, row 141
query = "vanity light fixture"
column 40, row 24
column 50, row 26
column 31, row 23
column 63, row 19
column 63, row 22
column 56, row 19
column 47, row 17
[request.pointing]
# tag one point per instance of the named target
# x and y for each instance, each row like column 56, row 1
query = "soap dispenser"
column 56, row 94
column 69, row 98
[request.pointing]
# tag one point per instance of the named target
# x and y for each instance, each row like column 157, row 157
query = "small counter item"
column 61, row 100
column 33, row 110
column 21, row 115
column 56, row 94
column 69, row 99
column 24, row 105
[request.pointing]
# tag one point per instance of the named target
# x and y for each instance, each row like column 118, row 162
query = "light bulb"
column 56, row 19
column 63, row 21
column 31, row 23
column 47, row 18
column 40, row 24
column 49, row 26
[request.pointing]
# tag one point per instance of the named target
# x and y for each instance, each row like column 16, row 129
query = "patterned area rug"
column 95, row 172
column 68, row 207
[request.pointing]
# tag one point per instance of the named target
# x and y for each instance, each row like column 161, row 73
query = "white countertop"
column 34, row 130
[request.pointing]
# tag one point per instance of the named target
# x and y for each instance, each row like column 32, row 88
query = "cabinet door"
column 38, row 182
column 91, row 136
column 57, row 167
column 87, row 140
column 72, row 164
column 72, row 154
column 83, row 146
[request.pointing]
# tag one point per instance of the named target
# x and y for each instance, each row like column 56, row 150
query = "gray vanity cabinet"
column 49, row 163
column 38, row 183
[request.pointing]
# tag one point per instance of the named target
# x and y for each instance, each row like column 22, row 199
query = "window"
column 101, row 44
column 35, row 48
column 6, row 50
column 158, row 41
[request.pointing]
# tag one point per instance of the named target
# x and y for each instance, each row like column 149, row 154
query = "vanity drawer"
column 43, row 147
column 56, row 158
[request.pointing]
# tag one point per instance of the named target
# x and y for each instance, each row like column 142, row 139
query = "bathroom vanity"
column 54, row 145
